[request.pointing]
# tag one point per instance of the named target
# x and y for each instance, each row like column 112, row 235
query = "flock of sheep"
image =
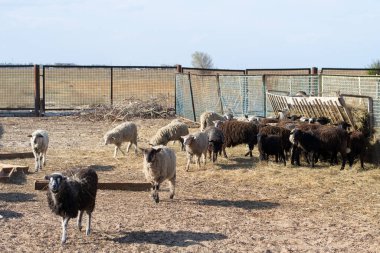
column 74, row 191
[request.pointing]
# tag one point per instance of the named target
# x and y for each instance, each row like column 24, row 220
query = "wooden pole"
column 43, row 185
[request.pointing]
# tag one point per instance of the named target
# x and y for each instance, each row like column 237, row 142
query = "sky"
column 237, row 34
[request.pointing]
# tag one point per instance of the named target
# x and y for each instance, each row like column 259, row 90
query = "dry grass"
column 235, row 205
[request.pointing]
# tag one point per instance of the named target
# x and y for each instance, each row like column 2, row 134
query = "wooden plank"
column 43, row 184
column 16, row 155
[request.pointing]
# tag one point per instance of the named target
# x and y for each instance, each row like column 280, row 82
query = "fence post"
column 43, row 105
column 314, row 83
column 265, row 96
column 192, row 98
column 179, row 68
column 37, row 90
column 219, row 94
column 111, row 84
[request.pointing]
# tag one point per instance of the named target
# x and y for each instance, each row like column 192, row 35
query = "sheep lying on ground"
column 159, row 165
column 40, row 142
column 270, row 145
column 171, row 132
column 238, row 132
column 215, row 141
column 196, row 144
column 70, row 193
column 207, row 118
column 125, row 132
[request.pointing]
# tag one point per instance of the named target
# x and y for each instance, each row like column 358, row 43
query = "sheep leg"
column 135, row 144
column 344, row 158
column 224, row 152
column 172, row 186
column 155, row 188
column 44, row 157
column 79, row 220
column 362, row 160
column 88, row 228
column 204, row 157
column 189, row 157
column 65, row 221
column 36, row 159
column 198, row 161
column 128, row 146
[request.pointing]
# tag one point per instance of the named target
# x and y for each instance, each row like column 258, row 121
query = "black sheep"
column 358, row 145
column 216, row 140
column 270, row 145
column 305, row 141
column 70, row 193
column 283, row 132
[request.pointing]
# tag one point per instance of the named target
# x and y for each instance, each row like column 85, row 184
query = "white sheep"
column 171, row 132
column 196, row 144
column 159, row 165
column 207, row 118
column 40, row 142
column 125, row 132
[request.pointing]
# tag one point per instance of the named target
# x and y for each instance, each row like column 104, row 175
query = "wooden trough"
column 43, row 185
column 21, row 155
column 11, row 171
column 332, row 107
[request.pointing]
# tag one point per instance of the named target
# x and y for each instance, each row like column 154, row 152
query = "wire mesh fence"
column 70, row 87
column 17, row 87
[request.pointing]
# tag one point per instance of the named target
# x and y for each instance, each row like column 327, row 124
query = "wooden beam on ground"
column 21, row 155
column 43, row 184
column 7, row 171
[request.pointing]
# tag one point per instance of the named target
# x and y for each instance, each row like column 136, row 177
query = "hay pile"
column 128, row 109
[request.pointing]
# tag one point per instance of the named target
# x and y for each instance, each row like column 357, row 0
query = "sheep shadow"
column 244, row 204
column 169, row 238
column 101, row 167
column 236, row 163
column 8, row 214
column 16, row 197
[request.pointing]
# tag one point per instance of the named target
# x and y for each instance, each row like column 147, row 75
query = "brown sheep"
column 238, row 132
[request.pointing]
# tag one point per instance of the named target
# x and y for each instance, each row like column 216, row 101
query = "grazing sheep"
column 171, row 132
column 40, row 142
column 159, row 165
column 207, row 118
column 238, row 132
column 70, row 193
column 270, row 145
column 358, row 145
column 125, row 132
column 215, row 141
column 196, row 144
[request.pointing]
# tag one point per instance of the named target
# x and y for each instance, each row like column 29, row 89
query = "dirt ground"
column 235, row 205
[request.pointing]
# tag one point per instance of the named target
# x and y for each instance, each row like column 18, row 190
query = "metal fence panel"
column 184, row 105
column 355, row 85
column 72, row 87
column 144, row 83
column 17, row 87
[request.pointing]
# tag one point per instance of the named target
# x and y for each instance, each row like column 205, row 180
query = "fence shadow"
column 8, row 214
column 169, row 238
column 237, row 163
column 244, row 204
column 17, row 197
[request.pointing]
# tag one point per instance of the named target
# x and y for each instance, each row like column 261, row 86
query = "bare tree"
column 201, row 60
column 374, row 68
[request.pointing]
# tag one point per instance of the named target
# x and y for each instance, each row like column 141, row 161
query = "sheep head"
column 150, row 154
column 56, row 180
column 188, row 139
